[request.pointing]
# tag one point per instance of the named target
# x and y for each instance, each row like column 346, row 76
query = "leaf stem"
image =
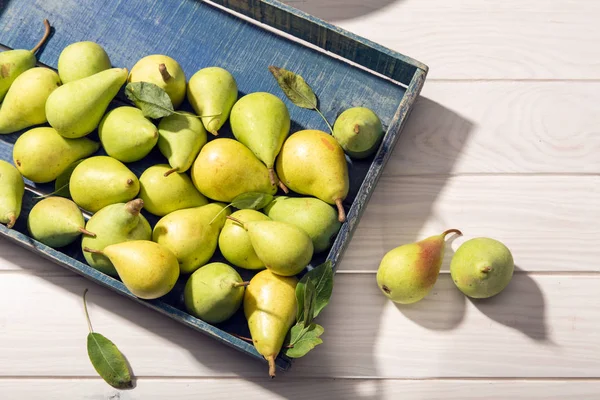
column 219, row 213
column 51, row 193
column 324, row 119
column 87, row 315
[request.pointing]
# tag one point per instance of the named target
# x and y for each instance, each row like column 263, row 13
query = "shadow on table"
column 339, row 10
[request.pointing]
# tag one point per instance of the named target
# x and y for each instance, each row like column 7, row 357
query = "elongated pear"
column 212, row 92
column 82, row 59
column 41, row 154
column 235, row 244
column 180, row 138
column 76, row 108
column 147, row 269
column 24, row 104
column 225, row 168
column 312, row 162
column 115, row 223
column 164, row 72
column 270, row 308
column 12, row 189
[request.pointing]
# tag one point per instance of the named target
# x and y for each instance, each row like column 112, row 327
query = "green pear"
column 225, row 168
column 314, row 216
column 261, row 122
column 101, row 180
column 180, row 138
column 41, row 154
column 12, row 189
column 358, row 130
column 164, row 194
column 212, row 92
column 14, row 62
column 407, row 273
column 76, row 108
column 284, row 248
column 126, row 134
column 147, row 269
column 270, row 308
column 312, row 162
column 164, row 72
column 235, row 244
column 214, row 292
column 82, row 59
column 482, row 267
column 115, row 223
column 191, row 234
column 56, row 222
column 24, row 104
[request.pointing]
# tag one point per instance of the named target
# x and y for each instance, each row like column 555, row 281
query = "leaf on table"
column 108, row 361
column 322, row 277
column 151, row 99
column 252, row 200
column 303, row 340
column 295, row 87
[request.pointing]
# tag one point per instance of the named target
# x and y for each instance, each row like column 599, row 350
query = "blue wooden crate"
column 245, row 37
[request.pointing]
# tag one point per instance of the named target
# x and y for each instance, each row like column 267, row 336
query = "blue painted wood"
column 198, row 34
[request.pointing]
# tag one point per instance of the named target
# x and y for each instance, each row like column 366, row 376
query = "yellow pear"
column 12, row 189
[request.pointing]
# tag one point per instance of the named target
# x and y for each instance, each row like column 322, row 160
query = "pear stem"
column 134, row 207
column 236, row 220
column 169, row 172
column 241, row 284
column 86, row 232
column 272, row 176
column 247, row 339
column 283, row 187
column 275, row 180
column 341, row 212
column 271, row 361
column 129, row 182
column 162, row 68
column 93, row 251
column 87, row 315
column 449, row 231
column 356, row 129
column 486, row 269
column 44, row 38
column 12, row 220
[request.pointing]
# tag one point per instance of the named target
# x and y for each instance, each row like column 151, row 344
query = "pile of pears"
column 69, row 135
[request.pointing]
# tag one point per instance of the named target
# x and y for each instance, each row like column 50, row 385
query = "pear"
column 191, row 234
column 41, row 154
column 284, row 248
column 235, row 244
column 14, row 62
column 261, row 122
column 407, row 273
column 147, row 269
column 358, row 130
column 165, row 194
column 101, row 180
column 56, row 222
column 164, row 72
column 270, row 308
column 311, row 162
column 126, row 134
column 115, row 223
column 24, row 104
column 214, row 292
column 212, row 92
column 225, row 168
column 80, row 60
column 314, row 216
column 180, row 138
column 12, row 189
column 482, row 267
column 76, row 108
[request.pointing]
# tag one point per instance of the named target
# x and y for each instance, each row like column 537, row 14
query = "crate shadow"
column 339, row 10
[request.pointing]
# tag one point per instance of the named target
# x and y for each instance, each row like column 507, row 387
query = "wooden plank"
column 541, row 326
column 317, row 389
column 473, row 39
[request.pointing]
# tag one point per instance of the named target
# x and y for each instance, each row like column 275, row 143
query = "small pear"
column 41, row 154
column 56, row 222
column 225, row 168
column 407, row 273
column 214, row 292
column 115, row 223
column 126, row 134
column 101, row 180
column 314, row 216
column 164, row 72
column 270, row 308
column 82, row 59
column 358, row 130
column 191, row 234
column 147, row 269
column 12, row 189
column 164, row 194
column 14, row 62
column 25, row 101
column 235, row 244
column 482, row 267
column 181, row 136
column 284, row 248
column 312, row 162
column 212, row 92
column 76, row 108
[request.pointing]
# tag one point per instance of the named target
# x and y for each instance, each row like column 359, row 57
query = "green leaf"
column 151, row 99
column 309, row 302
column 295, row 88
column 252, row 200
column 322, row 277
column 108, row 361
column 303, row 340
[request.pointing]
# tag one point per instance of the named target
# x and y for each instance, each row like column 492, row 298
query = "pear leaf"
column 322, row 277
column 303, row 339
column 295, row 87
column 150, row 98
column 310, row 297
column 252, row 200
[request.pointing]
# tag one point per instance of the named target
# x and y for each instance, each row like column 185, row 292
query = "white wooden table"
column 505, row 142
